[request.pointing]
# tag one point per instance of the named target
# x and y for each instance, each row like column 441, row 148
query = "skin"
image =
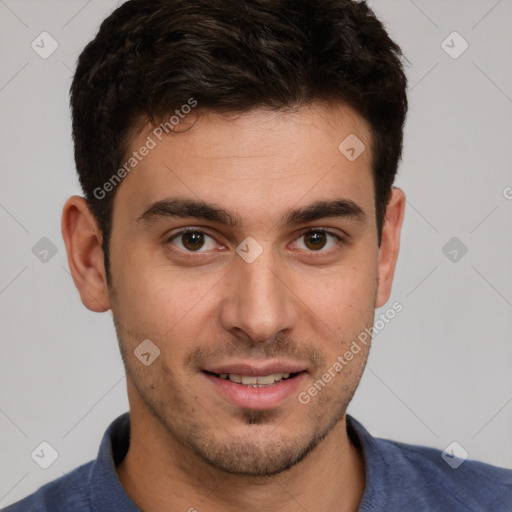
column 298, row 302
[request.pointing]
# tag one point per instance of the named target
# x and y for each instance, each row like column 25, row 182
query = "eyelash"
column 195, row 254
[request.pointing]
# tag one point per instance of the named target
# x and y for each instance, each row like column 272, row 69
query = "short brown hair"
column 151, row 56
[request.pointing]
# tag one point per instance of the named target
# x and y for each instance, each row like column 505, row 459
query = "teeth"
column 249, row 380
column 264, row 379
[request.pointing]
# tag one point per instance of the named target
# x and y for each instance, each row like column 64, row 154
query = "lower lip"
column 248, row 397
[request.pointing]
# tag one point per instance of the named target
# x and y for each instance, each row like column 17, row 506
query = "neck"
column 159, row 474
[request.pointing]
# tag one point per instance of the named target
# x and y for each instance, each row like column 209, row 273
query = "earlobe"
column 83, row 238
column 390, row 245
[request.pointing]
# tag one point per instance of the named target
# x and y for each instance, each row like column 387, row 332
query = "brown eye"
column 315, row 240
column 192, row 240
column 318, row 240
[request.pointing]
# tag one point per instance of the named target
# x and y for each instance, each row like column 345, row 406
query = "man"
column 239, row 219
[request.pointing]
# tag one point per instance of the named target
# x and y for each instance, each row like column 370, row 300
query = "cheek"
column 342, row 298
column 159, row 302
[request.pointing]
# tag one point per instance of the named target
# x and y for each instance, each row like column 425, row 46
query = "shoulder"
column 421, row 478
column 474, row 485
column 62, row 495
column 93, row 486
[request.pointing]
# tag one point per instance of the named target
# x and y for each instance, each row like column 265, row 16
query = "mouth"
column 252, row 387
column 252, row 381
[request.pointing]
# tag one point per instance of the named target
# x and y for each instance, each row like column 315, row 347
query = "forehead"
column 255, row 163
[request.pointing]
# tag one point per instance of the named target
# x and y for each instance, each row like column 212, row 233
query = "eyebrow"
column 183, row 208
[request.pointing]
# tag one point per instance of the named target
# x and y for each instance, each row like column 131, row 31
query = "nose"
column 260, row 303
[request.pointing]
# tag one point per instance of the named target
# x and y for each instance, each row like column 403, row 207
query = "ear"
column 390, row 245
column 83, row 241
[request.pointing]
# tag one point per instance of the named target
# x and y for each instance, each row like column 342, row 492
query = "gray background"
column 439, row 372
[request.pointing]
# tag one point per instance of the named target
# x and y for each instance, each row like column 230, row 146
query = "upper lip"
column 257, row 370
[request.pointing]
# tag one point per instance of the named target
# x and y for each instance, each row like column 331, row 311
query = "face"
column 245, row 249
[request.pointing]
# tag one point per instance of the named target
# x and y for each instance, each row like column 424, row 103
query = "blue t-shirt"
column 399, row 478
